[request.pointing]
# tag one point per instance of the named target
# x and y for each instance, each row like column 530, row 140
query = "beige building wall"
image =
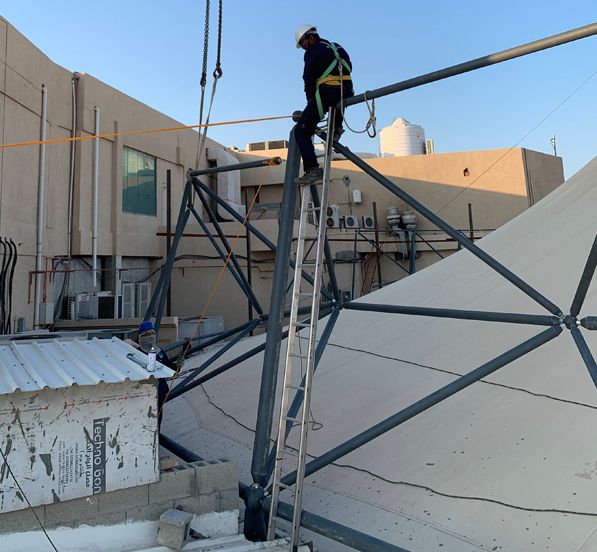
column 499, row 184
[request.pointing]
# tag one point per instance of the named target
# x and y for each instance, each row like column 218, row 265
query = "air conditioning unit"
column 128, row 300
column 109, row 306
column 351, row 222
column 332, row 216
column 368, row 222
column 142, row 299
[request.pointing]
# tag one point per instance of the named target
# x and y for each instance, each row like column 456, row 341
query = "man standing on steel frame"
column 327, row 80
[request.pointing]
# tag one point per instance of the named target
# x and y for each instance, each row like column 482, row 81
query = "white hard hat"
column 302, row 31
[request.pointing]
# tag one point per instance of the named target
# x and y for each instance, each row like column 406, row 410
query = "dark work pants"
column 305, row 128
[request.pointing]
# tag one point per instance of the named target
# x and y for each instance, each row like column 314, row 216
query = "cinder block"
column 150, row 512
column 172, row 485
column 201, row 504
column 216, row 524
column 123, row 499
column 215, row 475
column 174, row 527
column 22, row 520
column 229, row 500
column 79, row 509
column 115, row 518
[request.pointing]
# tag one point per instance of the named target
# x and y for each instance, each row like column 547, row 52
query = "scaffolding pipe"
column 431, row 246
column 427, row 402
column 380, row 250
column 259, row 235
column 485, row 61
column 96, row 142
column 440, row 223
column 41, row 184
column 238, row 167
column 484, row 316
column 334, row 531
column 585, row 280
column 269, row 374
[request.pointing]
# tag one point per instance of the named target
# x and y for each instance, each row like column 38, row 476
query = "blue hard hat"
column 146, row 325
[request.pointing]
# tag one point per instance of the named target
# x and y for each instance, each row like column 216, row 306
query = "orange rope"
column 218, row 280
column 131, row 132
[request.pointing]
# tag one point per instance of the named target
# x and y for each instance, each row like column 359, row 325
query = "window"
column 138, row 182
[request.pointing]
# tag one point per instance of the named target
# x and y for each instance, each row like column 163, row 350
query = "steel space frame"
column 255, row 495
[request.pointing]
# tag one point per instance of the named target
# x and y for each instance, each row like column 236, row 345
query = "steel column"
column 585, row 353
column 427, row 402
column 269, row 375
column 458, row 236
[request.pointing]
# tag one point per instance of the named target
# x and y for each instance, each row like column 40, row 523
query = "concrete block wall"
column 198, row 488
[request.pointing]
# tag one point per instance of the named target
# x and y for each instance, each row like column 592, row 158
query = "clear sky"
column 152, row 50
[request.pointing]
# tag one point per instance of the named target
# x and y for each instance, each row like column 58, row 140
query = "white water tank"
column 402, row 138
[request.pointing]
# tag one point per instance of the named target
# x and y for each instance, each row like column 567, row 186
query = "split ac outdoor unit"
column 351, row 222
column 332, row 216
column 368, row 222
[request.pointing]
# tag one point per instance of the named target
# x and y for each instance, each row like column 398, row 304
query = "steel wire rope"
column 519, row 141
column 135, row 132
column 215, row 287
column 5, row 459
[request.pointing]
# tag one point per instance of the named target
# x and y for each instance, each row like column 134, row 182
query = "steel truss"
column 256, row 495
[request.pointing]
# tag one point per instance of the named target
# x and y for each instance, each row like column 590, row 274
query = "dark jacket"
column 318, row 58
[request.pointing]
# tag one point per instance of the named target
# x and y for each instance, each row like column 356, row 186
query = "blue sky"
column 152, row 51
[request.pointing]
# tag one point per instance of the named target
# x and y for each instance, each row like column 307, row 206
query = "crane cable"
column 217, row 74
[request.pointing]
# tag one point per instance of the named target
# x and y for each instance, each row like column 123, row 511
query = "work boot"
column 338, row 132
column 311, row 176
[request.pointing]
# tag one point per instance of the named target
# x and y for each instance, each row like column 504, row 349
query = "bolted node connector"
column 570, row 321
column 296, row 115
column 254, row 497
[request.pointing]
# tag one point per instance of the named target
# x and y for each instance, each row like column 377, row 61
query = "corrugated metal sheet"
column 33, row 366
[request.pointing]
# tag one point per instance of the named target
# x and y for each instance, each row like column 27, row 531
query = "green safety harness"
column 331, row 80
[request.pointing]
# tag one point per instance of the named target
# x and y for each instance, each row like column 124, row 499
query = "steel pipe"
column 427, row 402
column 478, row 63
column 589, row 322
column 96, row 144
column 380, row 250
column 269, row 375
column 41, row 186
column 238, row 167
column 219, row 353
column 585, row 353
column 484, row 316
column 585, row 280
column 459, row 237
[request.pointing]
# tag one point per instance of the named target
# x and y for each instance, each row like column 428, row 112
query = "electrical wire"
column 5, row 460
column 519, row 141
